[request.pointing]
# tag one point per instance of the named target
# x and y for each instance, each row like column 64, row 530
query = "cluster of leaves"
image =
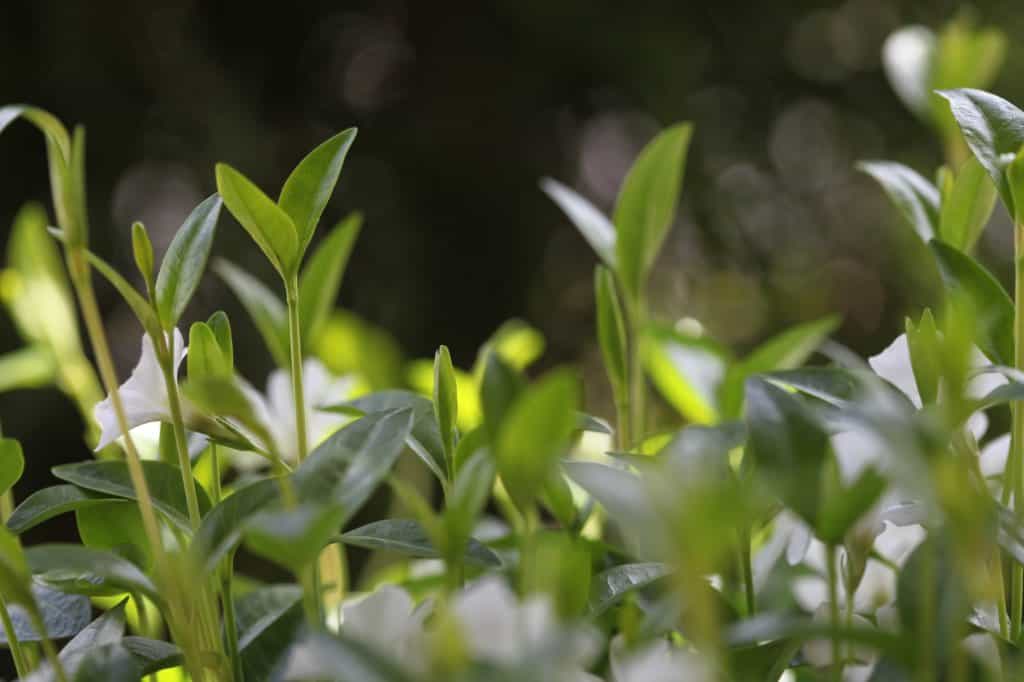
column 530, row 540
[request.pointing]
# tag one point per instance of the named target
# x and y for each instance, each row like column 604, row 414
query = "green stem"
column 78, row 268
column 46, row 642
column 215, row 490
column 295, row 348
column 1017, row 431
column 20, row 663
column 635, row 315
column 746, row 566
column 833, row 605
column 178, row 426
column 230, row 622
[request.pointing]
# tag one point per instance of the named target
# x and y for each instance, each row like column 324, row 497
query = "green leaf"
column 787, row 445
column 142, row 250
column 1015, row 180
column 293, row 537
column 347, row 467
column 425, row 439
column 967, row 207
column 925, row 356
column 557, row 565
column 112, row 478
column 109, row 663
column 221, row 327
column 83, row 570
column 205, row 357
column 646, row 205
column 591, row 222
column 221, row 529
column 991, row 303
column 467, row 498
column 116, row 527
column 993, row 128
column 47, row 503
column 516, row 342
column 29, row 367
column 223, row 396
column 46, row 122
column 268, row 224
column 107, row 629
column 446, row 402
column 609, row 587
column 269, row 620
column 623, row 495
column 309, row 187
column 321, row 278
column 408, row 537
column 534, row 433
column 932, row 598
column 500, row 388
column 12, row 463
column 321, row 656
column 687, row 371
column 185, row 261
column 152, row 654
column 64, row 615
column 139, row 305
column 267, row 311
column 915, row 198
column 611, row 328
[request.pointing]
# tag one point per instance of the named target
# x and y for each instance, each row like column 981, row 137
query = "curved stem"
column 178, row 426
column 78, row 267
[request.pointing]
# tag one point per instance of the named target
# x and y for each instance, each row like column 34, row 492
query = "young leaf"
column 12, row 463
column 611, row 328
column 993, row 128
column 646, row 205
column 142, row 249
column 267, row 311
column 916, row 199
column 500, row 388
column 688, row 371
column 309, row 187
column 991, row 303
column 139, row 305
column 925, row 356
column 205, row 357
column 221, row 327
column 967, row 207
column 473, row 485
column 321, row 278
column 269, row 225
column 446, row 405
column 534, row 433
column 591, row 222
column 185, row 260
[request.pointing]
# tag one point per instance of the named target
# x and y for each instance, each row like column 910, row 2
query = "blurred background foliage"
column 462, row 108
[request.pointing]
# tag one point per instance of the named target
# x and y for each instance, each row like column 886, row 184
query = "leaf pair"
column 283, row 229
column 319, row 282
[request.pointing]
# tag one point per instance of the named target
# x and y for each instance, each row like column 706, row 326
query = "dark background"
column 462, row 107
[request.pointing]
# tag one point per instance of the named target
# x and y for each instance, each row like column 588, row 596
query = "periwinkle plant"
column 844, row 520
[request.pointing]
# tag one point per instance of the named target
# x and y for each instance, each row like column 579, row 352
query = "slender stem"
column 230, row 622
column 6, row 506
column 78, row 268
column 295, row 345
column 215, row 490
column 1017, row 430
column 746, row 566
column 20, row 663
column 178, row 425
column 635, row 319
column 833, row 604
column 46, row 642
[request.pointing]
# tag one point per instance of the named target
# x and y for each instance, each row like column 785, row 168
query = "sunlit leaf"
column 185, row 261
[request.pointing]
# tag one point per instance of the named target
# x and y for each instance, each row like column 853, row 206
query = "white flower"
column 498, row 629
column 388, row 622
column 144, row 394
column 657, row 662
column 276, row 410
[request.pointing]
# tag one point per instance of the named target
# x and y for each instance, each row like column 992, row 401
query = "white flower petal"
column 379, row 618
column 893, row 365
column 994, row 455
column 657, row 662
column 487, row 611
column 144, row 394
